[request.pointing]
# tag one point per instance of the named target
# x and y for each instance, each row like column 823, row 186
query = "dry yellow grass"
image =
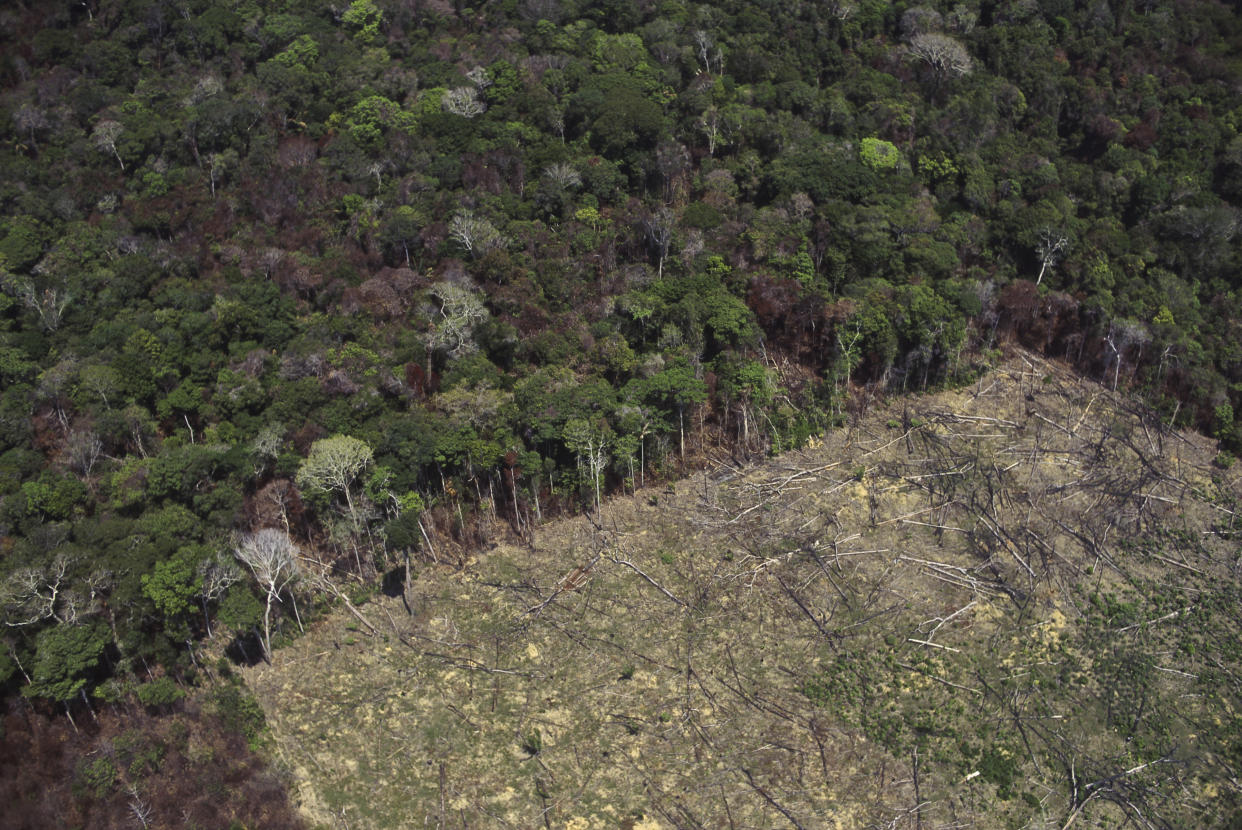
column 653, row 673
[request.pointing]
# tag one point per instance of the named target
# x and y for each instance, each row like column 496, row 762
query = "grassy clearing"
column 1002, row 606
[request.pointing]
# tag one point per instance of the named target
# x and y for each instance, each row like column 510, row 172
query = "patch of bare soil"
column 988, row 607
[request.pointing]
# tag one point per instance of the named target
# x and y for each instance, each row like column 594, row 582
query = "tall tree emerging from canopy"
column 945, row 56
column 332, row 466
column 272, row 557
column 461, row 311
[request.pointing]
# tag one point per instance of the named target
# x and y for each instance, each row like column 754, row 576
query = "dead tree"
column 273, row 559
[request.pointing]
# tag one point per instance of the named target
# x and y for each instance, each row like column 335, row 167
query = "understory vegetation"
column 298, row 299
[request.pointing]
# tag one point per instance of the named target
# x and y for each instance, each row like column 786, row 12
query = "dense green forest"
column 392, row 274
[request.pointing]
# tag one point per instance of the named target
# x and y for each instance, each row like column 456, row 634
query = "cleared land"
column 1008, row 605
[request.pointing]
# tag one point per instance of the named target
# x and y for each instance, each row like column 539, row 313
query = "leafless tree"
column 105, row 135
column 534, row 10
column 272, row 557
column 30, row 119
column 556, row 121
column 32, row 595
column 944, row 55
column 691, row 247
column 707, row 51
column 1051, row 246
column 48, row 302
column 265, row 447
column 101, row 379
column 563, row 175
column 672, row 160
column 376, row 169
column 55, row 386
column 659, row 230
column 461, row 311
column 219, row 166
column 217, row 574
column 333, row 465
column 463, row 101
column 1122, row 336
column 590, row 445
column 715, row 128
column 84, row 448
column 962, row 19
column 139, row 809
column 801, row 206
column 479, row 77
column 841, row 9
column 476, row 234
column 280, row 493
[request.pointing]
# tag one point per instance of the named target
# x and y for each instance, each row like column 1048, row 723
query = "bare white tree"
column 944, row 55
column 563, row 175
column 479, row 77
column 105, row 135
column 49, row 302
column 31, row 595
column 919, row 19
column 461, row 311
column 204, row 88
column 30, row 119
column 962, row 19
column 707, row 51
column 463, row 101
column 801, row 206
column 84, row 449
column 139, row 809
column 1051, row 246
column 265, row 448
column 474, row 233
column 273, row 559
column 100, row 379
column 376, row 169
column 712, row 126
column 590, row 445
column 841, row 9
column 659, row 229
column 219, row 166
column 1122, row 336
column 217, row 574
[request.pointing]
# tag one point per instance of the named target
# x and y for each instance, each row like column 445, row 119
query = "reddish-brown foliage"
column 416, row 379
column 296, row 151
column 1046, row 324
column 184, row 766
column 274, row 503
column 794, row 321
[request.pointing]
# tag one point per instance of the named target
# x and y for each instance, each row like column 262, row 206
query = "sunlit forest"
column 298, row 296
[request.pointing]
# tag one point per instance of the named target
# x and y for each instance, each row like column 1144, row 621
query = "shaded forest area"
column 391, row 277
column 130, row 767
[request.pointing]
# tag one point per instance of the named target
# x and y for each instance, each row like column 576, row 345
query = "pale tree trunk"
column 89, row 708
column 642, row 461
column 267, row 629
column 681, row 430
column 293, row 599
column 207, row 620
